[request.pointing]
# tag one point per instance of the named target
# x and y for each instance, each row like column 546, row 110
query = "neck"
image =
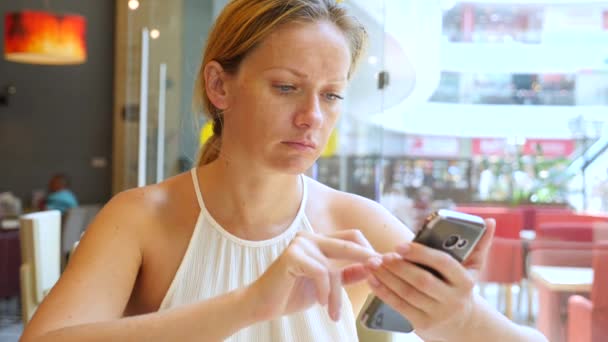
column 250, row 204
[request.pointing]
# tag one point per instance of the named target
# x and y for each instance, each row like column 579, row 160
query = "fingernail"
column 336, row 315
column 390, row 257
column 373, row 281
column 403, row 249
column 375, row 262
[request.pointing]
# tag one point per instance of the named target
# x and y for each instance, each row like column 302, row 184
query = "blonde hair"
column 244, row 24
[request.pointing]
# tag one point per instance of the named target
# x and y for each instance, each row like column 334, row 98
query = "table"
column 563, row 279
column 555, row 285
column 526, row 236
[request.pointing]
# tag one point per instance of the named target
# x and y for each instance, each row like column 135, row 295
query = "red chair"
column 552, row 315
column 566, row 231
column 504, row 265
column 560, row 253
column 592, row 231
column 530, row 211
column 543, row 218
column 600, row 231
column 588, row 318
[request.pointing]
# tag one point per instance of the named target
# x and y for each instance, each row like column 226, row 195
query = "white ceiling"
column 511, row 121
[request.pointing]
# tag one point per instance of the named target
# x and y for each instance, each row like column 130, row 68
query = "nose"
column 310, row 114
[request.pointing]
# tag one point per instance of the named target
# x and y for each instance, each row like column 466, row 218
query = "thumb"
column 354, row 273
column 477, row 258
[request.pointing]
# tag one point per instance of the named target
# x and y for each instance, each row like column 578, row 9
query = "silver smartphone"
column 452, row 232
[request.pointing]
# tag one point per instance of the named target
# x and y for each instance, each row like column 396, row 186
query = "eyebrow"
column 300, row 74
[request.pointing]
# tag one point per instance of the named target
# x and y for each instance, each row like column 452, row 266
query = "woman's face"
column 284, row 101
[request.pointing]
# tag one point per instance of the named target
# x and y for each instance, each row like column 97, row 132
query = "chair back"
column 76, row 221
column 504, row 263
column 560, row 253
column 40, row 235
column 570, row 217
column 599, row 292
column 600, row 231
column 566, row 231
column 581, row 231
column 531, row 211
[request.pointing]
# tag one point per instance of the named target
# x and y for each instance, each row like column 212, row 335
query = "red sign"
column 432, row 146
column 549, row 147
column 489, row 146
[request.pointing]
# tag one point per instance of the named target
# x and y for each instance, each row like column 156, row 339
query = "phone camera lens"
column 379, row 321
column 451, row 241
column 462, row 243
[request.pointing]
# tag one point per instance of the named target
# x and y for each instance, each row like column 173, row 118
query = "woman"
column 244, row 247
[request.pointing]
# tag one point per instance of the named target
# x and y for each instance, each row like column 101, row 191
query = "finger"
column 354, row 235
column 486, row 239
column 350, row 274
column 411, row 313
column 353, row 274
column 323, row 283
column 312, row 250
column 451, row 270
column 404, row 290
column 478, row 256
column 311, row 268
column 335, row 295
column 343, row 249
column 415, row 277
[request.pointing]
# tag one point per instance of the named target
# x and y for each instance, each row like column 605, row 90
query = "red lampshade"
column 38, row 37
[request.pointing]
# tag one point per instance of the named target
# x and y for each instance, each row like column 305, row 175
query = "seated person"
column 60, row 197
column 244, row 247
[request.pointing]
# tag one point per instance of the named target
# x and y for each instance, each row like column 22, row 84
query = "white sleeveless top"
column 217, row 262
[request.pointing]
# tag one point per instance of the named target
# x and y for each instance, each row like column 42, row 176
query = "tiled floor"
column 11, row 327
column 10, row 320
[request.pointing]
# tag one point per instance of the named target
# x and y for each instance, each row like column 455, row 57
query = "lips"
column 301, row 144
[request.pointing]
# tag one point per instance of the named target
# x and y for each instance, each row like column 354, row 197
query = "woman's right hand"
column 306, row 273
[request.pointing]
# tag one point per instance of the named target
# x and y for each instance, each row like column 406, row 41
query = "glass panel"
column 415, row 165
column 354, row 165
column 511, row 124
column 167, row 38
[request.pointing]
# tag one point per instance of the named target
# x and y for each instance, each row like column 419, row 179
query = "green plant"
column 550, row 182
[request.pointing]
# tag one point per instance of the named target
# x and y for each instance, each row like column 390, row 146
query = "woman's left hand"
column 438, row 309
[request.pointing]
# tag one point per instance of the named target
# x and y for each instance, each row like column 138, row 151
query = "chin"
column 293, row 166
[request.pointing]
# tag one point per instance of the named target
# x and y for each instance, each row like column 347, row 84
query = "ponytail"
column 211, row 149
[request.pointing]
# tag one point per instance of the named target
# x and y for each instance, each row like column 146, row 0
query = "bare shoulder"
column 151, row 205
column 350, row 211
column 99, row 279
column 134, row 205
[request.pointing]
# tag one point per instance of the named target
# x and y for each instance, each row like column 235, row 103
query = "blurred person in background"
column 60, row 197
column 423, row 205
column 396, row 201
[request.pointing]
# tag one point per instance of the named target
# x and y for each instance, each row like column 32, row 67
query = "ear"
column 215, row 84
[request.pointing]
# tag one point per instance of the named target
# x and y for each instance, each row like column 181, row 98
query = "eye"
column 333, row 97
column 284, row 88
